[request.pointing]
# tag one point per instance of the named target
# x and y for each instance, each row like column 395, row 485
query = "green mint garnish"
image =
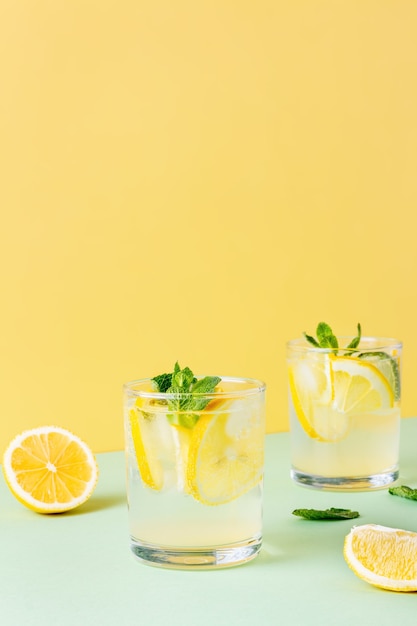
column 404, row 492
column 163, row 382
column 326, row 338
column 327, row 514
column 386, row 364
column 186, row 394
column 356, row 340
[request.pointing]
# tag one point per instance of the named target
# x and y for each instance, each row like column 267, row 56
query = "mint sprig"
column 326, row 338
column 187, row 394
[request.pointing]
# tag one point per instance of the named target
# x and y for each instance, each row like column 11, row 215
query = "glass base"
column 197, row 558
column 346, row 483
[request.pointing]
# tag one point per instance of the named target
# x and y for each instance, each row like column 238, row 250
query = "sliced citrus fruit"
column 388, row 366
column 146, row 443
column 225, row 454
column 312, row 392
column 359, row 387
column 353, row 386
column 382, row 556
column 49, row 469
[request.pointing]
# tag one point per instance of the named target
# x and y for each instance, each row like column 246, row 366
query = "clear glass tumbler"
column 194, row 477
column 345, row 413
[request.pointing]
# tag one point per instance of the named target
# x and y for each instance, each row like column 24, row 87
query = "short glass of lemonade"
column 344, row 409
column 195, row 473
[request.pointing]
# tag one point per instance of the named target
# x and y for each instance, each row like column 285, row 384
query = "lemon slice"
column 49, row 469
column 353, row 387
column 225, row 454
column 146, row 442
column 359, row 387
column 388, row 366
column 311, row 388
column 382, row 556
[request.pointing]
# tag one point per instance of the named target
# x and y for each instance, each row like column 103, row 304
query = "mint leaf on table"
column 186, row 394
column 327, row 514
column 404, row 492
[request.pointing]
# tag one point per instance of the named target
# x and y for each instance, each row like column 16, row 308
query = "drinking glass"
column 344, row 409
column 194, row 477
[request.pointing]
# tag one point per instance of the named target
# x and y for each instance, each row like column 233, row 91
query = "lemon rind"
column 26, row 498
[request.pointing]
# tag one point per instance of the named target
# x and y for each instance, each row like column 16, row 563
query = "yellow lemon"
column 382, row 556
column 49, row 469
column 225, row 454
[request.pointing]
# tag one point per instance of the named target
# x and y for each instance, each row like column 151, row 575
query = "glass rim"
column 257, row 386
column 374, row 343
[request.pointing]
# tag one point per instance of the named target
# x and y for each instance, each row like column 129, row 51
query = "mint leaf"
column 327, row 514
column 187, row 394
column 355, row 342
column 182, row 379
column 203, row 386
column 326, row 337
column 163, row 382
column 404, row 492
column 311, row 340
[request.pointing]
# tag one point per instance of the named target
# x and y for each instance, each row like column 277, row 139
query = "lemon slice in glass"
column 311, row 389
column 146, row 442
column 225, row 455
column 359, row 387
column 353, row 387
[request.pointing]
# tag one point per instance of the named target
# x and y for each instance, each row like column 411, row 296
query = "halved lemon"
column 225, row 455
column 382, row 556
column 49, row 469
column 353, row 387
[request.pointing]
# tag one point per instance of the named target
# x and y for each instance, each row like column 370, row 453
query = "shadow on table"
column 99, row 503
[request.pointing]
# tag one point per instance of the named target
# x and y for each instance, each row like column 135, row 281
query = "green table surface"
column 77, row 568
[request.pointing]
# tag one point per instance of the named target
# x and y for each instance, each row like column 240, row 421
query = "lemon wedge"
column 226, row 454
column 328, row 390
column 49, row 469
column 382, row 556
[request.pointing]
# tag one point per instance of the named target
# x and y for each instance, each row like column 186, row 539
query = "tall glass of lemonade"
column 195, row 458
column 344, row 402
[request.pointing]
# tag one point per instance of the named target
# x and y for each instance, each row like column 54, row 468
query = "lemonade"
column 345, row 413
column 194, row 473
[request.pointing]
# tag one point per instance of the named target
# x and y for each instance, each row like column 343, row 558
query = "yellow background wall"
column 198, row 181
